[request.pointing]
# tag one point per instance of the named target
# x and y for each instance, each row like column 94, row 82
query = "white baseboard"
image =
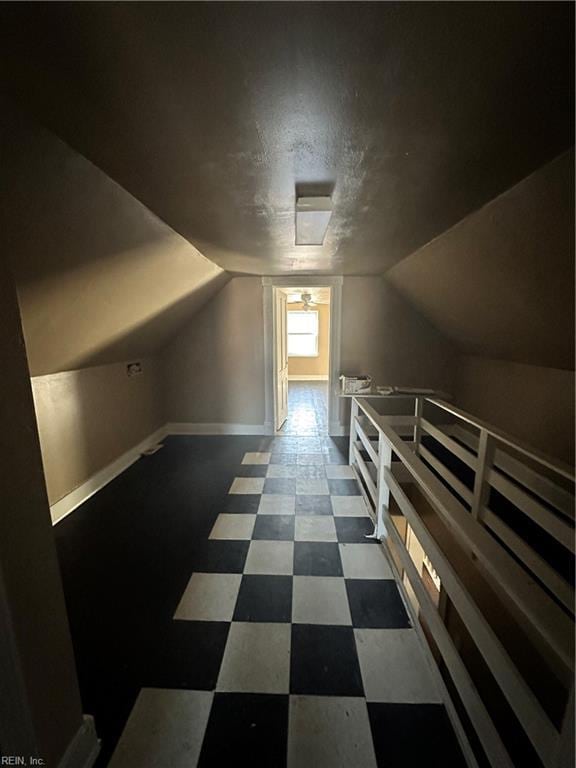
column 336, row 429
column 184, row 428
column 308, row 378
column 84, row 747
column 79, row 495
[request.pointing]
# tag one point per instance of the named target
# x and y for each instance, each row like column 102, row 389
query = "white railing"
column 536, row 597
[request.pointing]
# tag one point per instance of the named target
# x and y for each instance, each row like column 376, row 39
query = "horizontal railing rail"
column 538, row 597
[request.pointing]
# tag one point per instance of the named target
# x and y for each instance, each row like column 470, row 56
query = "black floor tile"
column 128, row 552
column 221, row 556
column 251, row 470
column 283, row 485
column 285, row 444
column 403, row 735
column 284, row 458
column 274, row 527
column 316, row 559
column 344, row 488
column 240, row 503
column 187, row 654
column 376, row 604
column 248, row 729
column 264, row 599
column 323, row 661
column 353, row 530
column 313, row 505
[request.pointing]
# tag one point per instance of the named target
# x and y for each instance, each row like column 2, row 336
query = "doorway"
column 303, row 329
column 302, row 355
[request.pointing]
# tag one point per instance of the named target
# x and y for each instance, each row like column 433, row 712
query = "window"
column 303, row 334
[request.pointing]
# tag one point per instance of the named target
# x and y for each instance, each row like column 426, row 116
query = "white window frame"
column 315, row 335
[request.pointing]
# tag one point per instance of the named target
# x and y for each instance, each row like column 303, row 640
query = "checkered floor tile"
column 301, row 650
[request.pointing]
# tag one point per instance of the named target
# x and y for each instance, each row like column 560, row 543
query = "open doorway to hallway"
column 322, row 397
column 302, row 343
column 307, row 360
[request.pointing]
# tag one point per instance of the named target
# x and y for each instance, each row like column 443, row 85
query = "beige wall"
column 100, row 277
column 383, row 336
column 501, row 282
column 532, row 403
column 313, row 366
column 34, row 619
column 90, row 417
column 214, row 369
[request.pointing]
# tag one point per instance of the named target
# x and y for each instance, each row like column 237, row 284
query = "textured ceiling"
column 212, row 114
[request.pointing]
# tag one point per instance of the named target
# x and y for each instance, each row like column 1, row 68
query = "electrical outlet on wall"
column 134, row 369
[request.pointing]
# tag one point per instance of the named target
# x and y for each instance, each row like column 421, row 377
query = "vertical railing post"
column 486, row 447
column 418, row 409
column 384, row 461
column 353, row 435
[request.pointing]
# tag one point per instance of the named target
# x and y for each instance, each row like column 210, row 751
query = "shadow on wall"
column 90, row 417
column 110, row 310
column 100, row 278
column 214, row 369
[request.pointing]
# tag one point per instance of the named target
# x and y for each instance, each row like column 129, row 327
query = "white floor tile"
column 209, row 597
column 339, row 472
column 311, row 458
column 238, row 527
column 320, row 600
column 256, row 659
column 247, row 485
column 364, row 562
column 277, row 504
column 165, row 727
column 329, row 732
column 394, row 668
column 282, row 470
column 271, row 557
column 256, row 457
column 312, row 487
column 349, row 506
column 315, row 528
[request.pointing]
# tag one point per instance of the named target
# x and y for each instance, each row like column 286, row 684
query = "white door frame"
column 312, row 281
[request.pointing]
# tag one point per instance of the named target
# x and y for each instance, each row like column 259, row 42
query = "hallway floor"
column 307, row 409
column 226, row 607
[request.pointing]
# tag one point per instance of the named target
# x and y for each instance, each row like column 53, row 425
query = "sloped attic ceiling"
column 501, row 282
column 212, row 113
column 100, row 278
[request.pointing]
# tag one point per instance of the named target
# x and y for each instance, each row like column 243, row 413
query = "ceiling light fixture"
column 312, row 219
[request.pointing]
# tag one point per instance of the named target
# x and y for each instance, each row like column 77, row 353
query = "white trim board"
column 310, row 377
column 79, row 495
